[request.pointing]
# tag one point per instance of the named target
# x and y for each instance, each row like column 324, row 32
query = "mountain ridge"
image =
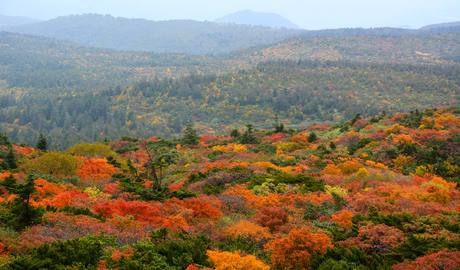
column 441, row 25
column 174, row 36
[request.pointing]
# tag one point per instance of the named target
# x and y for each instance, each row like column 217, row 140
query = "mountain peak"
column 250, row 17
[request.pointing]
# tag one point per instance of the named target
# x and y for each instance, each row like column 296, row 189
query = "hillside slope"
column 367, row 193
column 441, row 26
column 73, row 93
column 180, row 36
column 374, row 46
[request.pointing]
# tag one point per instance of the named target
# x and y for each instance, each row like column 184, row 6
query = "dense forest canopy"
column 73, row 93
column 175, row 36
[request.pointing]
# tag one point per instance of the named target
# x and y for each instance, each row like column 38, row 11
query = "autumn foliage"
column 95, row 170
column 375, row 193
column 295, row 250
column 235, row 261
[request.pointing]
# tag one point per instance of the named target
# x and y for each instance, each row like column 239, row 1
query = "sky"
column 309, row 14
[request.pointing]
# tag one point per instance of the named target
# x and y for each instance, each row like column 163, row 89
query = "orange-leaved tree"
column 294, row 251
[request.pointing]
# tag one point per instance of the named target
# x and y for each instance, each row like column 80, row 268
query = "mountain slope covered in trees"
column 72, row 93
column 180, row 36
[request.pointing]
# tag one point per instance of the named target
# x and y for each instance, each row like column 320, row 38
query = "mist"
column 310, row 14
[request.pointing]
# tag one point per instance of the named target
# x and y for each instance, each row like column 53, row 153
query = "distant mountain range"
column 176, row 36
column 187, row 36
column 441, row 26
column 249, row 17
column 15, row 20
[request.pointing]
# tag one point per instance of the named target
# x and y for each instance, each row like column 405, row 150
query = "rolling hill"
column 441, row 26
column 73, row 93
column 377, row 46
column 180, row 36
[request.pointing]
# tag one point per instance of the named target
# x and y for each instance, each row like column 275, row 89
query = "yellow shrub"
column 235, row 261
column 336, row 189
column 236, row 148
column 350, row 166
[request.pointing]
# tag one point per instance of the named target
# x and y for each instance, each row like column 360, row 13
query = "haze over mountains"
column 15, row 21
column 187, row 36
column 442, row 26
column 249, row 17
column 175, row 36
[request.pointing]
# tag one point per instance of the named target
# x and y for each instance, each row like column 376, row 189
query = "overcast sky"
column 309, row 14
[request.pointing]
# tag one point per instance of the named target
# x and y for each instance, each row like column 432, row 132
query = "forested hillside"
column 179, row 36
column 375, row 46
column 73, row 93
column 364, row 193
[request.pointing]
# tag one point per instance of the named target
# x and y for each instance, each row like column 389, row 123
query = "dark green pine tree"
column 4, row 139
column 22, row 212
column 190, row 136
column 279, row 127
column 10, row 159
column 235, row 134
column 42, row 143
column 312, row 137
column 248, row 136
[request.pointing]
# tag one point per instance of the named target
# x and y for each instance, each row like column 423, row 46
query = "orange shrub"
column 23, row 150
column 272, row 217
column 4, row 175
column 446, row 120
column 444, row 259
column 220, row 164
column 294, row 251
column 331, row 169
column 402, row 139
column 117, row 255
column 343, row 218
column 248, row 229
column 202, row 207
column 95, row 170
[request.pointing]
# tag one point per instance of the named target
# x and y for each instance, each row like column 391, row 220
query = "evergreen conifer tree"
column 190, row 136
column 42, row 143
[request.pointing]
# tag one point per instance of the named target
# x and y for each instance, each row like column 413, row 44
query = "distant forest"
column 73, row 93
